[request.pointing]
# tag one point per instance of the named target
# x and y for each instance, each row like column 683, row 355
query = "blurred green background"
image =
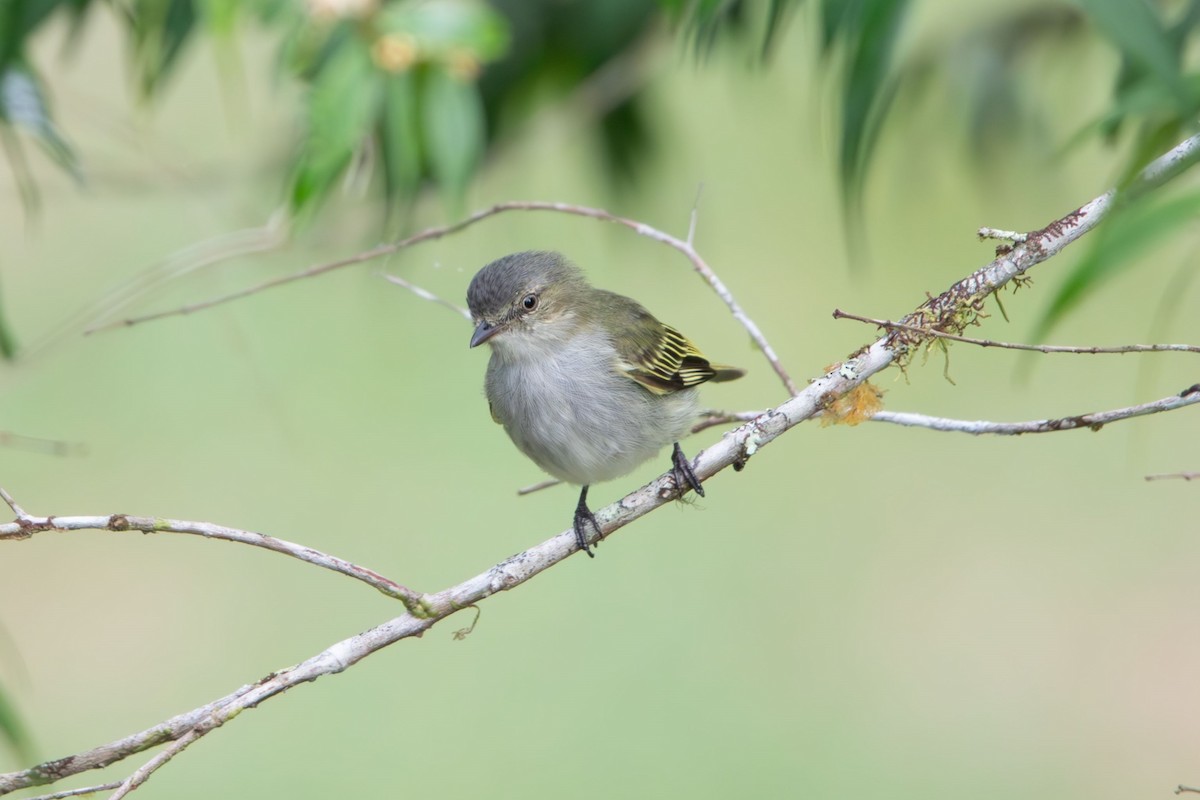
column 867, row 609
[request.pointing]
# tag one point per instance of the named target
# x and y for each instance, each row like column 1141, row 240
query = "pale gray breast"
column 577, row 418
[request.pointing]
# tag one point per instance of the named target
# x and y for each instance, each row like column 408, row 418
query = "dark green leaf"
column 160, row 30
column 1129, row 233
column 342, row 108
column 865, row 32
column 19, row 19
column 452, row 117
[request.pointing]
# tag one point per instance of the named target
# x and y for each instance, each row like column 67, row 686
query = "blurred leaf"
column 864, row 34
column 625, row 137
column 8, row 351
column 454, row 131
column 20, row 18
column 705, row 20
column 777, row 12
column 220, row 16
column 1132, row 231
column 13, row 729
column 160, row 30
column 1139, row 34
column 342, row 107
column 22, row 105
column 400, row 132
column 441, row 29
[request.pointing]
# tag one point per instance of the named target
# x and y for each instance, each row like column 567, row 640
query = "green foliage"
column 160, row 29
column 453, row 132
column 705, row 20
column 343, row 104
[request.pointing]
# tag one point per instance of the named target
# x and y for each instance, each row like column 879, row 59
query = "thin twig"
column 429, row 234
column 16, row 509
column 1008, row 236
column 1180, row 789
column 711, row 419
column 210, row 252
column 1164, row 476
column 29, row 526
column 36, row 444
column 143, row 773
column 1039, row 348
column 425, row 294
column 1094, row 420
column 103, row 787
column 537, row 487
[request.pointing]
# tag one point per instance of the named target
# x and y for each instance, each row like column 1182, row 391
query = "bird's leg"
column 583, row 517
column 684, row 475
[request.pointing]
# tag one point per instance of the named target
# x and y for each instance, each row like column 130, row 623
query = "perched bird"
column 587, row 383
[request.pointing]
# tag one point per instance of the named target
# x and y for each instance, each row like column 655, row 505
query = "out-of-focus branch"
column 684, row 246
column 736, row 448
column 1183, row 476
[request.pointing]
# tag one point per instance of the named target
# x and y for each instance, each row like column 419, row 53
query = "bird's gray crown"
column 497, row 286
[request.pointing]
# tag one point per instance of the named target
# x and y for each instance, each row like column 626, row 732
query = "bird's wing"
column 663, row 360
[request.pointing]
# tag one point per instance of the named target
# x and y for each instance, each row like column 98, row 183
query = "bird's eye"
column 529, row 302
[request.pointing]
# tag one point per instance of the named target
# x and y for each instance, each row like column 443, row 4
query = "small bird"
column 587, row 383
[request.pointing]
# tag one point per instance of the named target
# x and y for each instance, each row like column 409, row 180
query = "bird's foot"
column 684, row 475
column 583, row 518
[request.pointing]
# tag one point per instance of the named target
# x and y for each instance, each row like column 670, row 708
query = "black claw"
column 682, row 469
column 584, row 517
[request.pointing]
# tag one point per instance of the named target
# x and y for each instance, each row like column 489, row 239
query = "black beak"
column 484, row 331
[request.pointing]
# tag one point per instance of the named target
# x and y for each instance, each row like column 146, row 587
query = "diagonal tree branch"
column 945, row 311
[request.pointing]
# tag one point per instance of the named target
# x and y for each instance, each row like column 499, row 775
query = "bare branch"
column 685, row 247
column 103, row 787
column 1094, row 421
column 711, row 419
column 1186, row 476
column 36, row 444
column 16, row 509
column 1008, row 236
column 425, row 294
column 1180, row 789
column 1038, row 348
column 143, row 773
column 27, row 526
column 210, row 252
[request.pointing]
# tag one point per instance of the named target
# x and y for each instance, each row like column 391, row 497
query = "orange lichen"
column 857, row 405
